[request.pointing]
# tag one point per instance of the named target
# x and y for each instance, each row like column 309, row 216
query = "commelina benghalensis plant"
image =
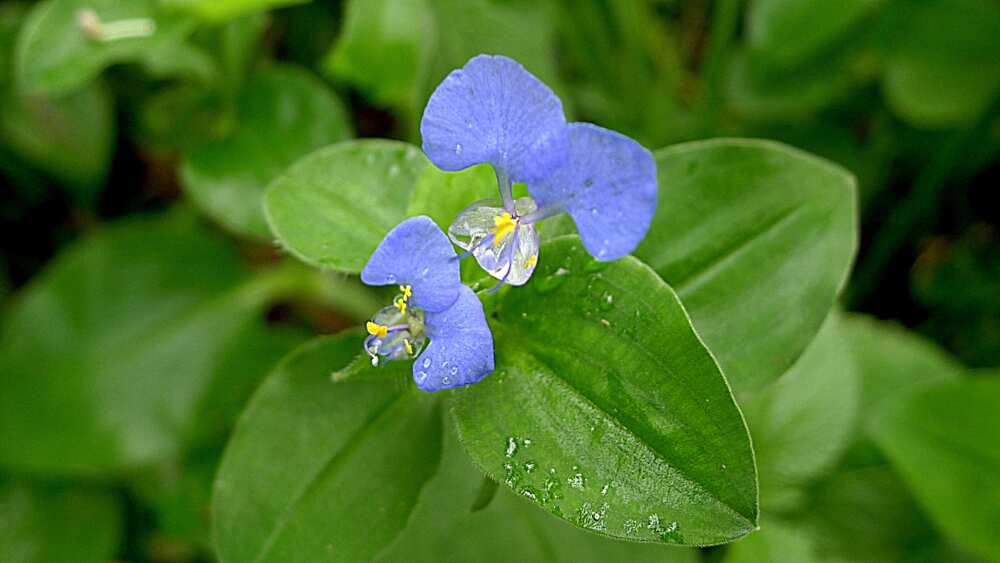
column 493, row 111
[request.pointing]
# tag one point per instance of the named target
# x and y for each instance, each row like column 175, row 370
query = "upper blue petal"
column 417, row 253
column 461, row 348
column 493, row 110
column 608, row 186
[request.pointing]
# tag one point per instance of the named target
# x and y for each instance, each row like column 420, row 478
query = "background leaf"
column 44, row 523
column 71, row 137
column 607, row 410
column 802, row 423
column 222, row 10
column 942, row 439
column 119, row 343
column 757, row 239
column 929, row 45
column 332, row 208
column 282, row 114
column 323, row 471
column 55, row 56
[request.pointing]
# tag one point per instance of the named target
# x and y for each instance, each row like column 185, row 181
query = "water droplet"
column 458, row 148
column 511, row 447
column 604, row 490
column 529, row 466
column 426, row 363
column 391, row 278
column 594, row 211
column 421, row 377
column 454, row 370
column 526, row 441
column 375, row 361
column 607, row 302
column 446, row 380
column 576, row 481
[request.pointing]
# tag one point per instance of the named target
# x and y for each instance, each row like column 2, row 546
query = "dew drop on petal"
column 426, row 363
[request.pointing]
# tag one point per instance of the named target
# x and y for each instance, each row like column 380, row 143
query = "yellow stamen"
column 504, row 225
column 400, row 304
column 409, row 347
column 376, row 329
column 531, row 261
column 407, row 292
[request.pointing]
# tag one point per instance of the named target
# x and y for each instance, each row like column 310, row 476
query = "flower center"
column 503, row 226
column 396, row 332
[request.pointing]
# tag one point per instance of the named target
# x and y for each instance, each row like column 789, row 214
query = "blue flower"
column 432, row 304
column 494, row 111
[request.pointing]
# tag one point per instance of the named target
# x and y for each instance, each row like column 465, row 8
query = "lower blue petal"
column 461, row 348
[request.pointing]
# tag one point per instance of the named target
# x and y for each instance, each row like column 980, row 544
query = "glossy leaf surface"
column 636, row 438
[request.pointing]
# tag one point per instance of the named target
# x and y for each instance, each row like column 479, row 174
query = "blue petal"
column 493, row 110
column 608, row 186
column 461, row 348
column 417, row 253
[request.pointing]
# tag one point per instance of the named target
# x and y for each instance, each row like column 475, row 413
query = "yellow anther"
column 400, row 304
column 531, row 261
column 407, row 292
column 504, row 225
column 409, row 347
column 376, row 329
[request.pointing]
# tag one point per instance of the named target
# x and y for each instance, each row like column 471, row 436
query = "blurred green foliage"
column 143, row 302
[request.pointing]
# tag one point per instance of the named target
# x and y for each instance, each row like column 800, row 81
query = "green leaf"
column 222, row 10
column 607, row 410
column 57, row 524
column 942, row 440
column 283, row 113
column 71, row 137
column 803, row 422
column 774, row 542
column 332, row 207
column 893, row 362
column 443, row 195
column 445, row 527
column 112, row 356
column 56, row 56
column 786, row 31
column 324, row 471
column 384, row 49
column 931, row 47
column 757, row 239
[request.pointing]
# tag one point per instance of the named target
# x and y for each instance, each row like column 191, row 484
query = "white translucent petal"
column 501, row 260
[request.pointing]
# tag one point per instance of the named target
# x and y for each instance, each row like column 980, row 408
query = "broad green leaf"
column 445, row 527
column 71, row 137
column 607, row 410
column 283, row 113
column 111, row 358
column 942, row 440
column 179, row 493
column 788, row 32
column 55, row 54
column 774, row 542
column 804, row 421
column 932, row 48
column 324, row 471
column 222, row 10
column 893, row 362
column 757, row 239
column 384, row 49
column 57, row 524
column 332, row 207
